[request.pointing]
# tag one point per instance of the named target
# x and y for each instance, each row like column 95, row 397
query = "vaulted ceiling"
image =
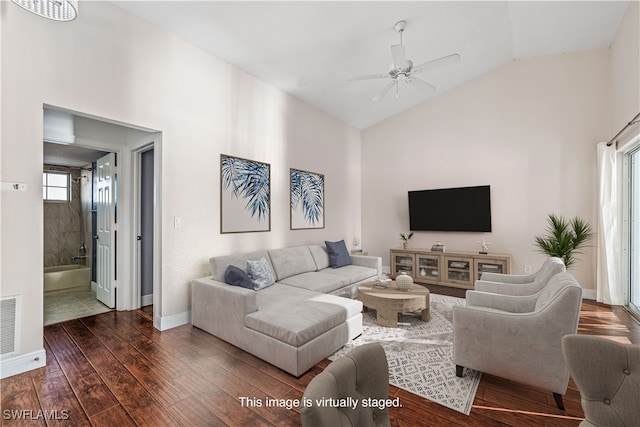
column 309, row 49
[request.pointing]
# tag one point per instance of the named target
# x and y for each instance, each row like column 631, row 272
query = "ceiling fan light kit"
column 402, row 69
column 57, row 10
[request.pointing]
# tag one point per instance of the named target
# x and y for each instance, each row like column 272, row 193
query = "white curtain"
column 608, row 279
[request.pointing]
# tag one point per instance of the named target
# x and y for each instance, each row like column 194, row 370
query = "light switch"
column 177, row 222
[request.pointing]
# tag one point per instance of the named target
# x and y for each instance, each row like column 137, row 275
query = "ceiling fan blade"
column 399, row 55
column 384, row 91
column 368, row 77
column 421, row 84
column 437, row 63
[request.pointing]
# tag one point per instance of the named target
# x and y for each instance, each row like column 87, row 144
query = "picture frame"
column 245, row 195
column 307, row 199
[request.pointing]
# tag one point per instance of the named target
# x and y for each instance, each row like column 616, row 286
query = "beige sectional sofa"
column 293, row 324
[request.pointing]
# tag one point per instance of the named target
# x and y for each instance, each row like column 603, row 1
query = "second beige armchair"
column 520, row 284
column 519, row 337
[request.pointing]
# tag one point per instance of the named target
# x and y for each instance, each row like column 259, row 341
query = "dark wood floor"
column 114, row 369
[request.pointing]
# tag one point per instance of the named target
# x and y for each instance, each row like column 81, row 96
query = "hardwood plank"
column 131, row 394
column 20, row 403
column 115, row 416
column 151, row 377
column 154, row 415
column 227, row 408
column 90, row 390
column 238, row 389
column 56, row 395
column 191, row 412
column 124, row 332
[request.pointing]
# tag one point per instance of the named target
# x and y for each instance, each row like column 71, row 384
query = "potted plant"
column 406, row 237
column 564, row 238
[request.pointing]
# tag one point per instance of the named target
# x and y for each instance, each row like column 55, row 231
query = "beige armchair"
column 519, row 337
column 607, row 374
column 520, row 284
column 362, row 373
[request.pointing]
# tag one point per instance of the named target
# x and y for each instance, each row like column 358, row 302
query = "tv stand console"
column 455, row 269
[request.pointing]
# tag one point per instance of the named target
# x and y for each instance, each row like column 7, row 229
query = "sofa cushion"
column 320, row 256
column 338, row 254
column 219, row 264
column 237, row 277
column 316, row 281
column 260, row 273
column 352, row 306
column 298, row 323
column 353, row 273
column 288, row 262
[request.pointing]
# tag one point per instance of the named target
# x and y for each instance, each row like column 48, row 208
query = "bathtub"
column 67, row 277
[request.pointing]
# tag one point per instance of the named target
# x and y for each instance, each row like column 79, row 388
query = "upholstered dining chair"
column 360, row 374
column 607, row 374
column 519, row 337
column 520, row 284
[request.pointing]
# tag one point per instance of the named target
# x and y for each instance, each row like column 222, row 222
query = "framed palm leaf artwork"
column 245, row 195
column 307, row 200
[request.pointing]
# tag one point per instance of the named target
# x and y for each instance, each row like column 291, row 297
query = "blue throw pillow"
column 338, row 254
column 237, row 277
column 260, row 273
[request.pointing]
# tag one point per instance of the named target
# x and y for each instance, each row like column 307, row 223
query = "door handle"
column 139, row 238
column 96, row 237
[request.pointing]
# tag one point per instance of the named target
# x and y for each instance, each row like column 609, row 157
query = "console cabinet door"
column 400, row 262
column 428, row 268
column 459, row 270
column 490, row 265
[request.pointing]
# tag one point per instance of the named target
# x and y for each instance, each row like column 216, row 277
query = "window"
column 55, row 186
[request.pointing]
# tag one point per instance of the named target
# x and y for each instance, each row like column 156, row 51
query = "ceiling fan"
column 402, row 69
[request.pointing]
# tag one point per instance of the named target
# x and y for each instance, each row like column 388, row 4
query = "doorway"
column 146, row 226
column 101, row 136
column 69, row 230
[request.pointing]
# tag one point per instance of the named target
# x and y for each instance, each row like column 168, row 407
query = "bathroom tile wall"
column 65, row 228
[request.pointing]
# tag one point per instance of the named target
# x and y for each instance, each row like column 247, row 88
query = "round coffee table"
column 388, row 302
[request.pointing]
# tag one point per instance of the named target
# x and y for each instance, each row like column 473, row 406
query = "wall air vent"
column 10, row 308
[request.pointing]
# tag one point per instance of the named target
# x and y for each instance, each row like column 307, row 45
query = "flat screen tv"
column 451, row 209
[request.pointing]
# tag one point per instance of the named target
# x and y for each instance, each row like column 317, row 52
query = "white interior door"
column 106, row 236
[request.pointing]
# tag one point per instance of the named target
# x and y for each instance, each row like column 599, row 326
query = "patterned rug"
column 420, row 355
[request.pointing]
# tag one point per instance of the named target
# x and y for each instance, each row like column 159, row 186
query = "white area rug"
column 420, row 355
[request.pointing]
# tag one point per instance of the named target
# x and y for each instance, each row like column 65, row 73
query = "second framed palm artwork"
column 307, row 199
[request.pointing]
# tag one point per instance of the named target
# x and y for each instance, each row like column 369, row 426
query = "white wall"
column 625, row 72
column 528, row 129
column 110, row 64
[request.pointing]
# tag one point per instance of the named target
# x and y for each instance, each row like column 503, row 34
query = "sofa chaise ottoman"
column 305, row 316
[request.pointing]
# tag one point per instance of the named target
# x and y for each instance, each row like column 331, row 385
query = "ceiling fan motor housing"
column 404, row 69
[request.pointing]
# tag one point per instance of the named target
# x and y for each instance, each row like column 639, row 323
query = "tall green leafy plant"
column 564, row 238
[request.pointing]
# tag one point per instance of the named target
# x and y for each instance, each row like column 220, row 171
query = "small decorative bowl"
column 404, row 282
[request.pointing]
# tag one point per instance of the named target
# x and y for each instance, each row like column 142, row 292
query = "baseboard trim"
column 168, row 322
column 146, row 300
column 22, row 363
column 589, row 294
